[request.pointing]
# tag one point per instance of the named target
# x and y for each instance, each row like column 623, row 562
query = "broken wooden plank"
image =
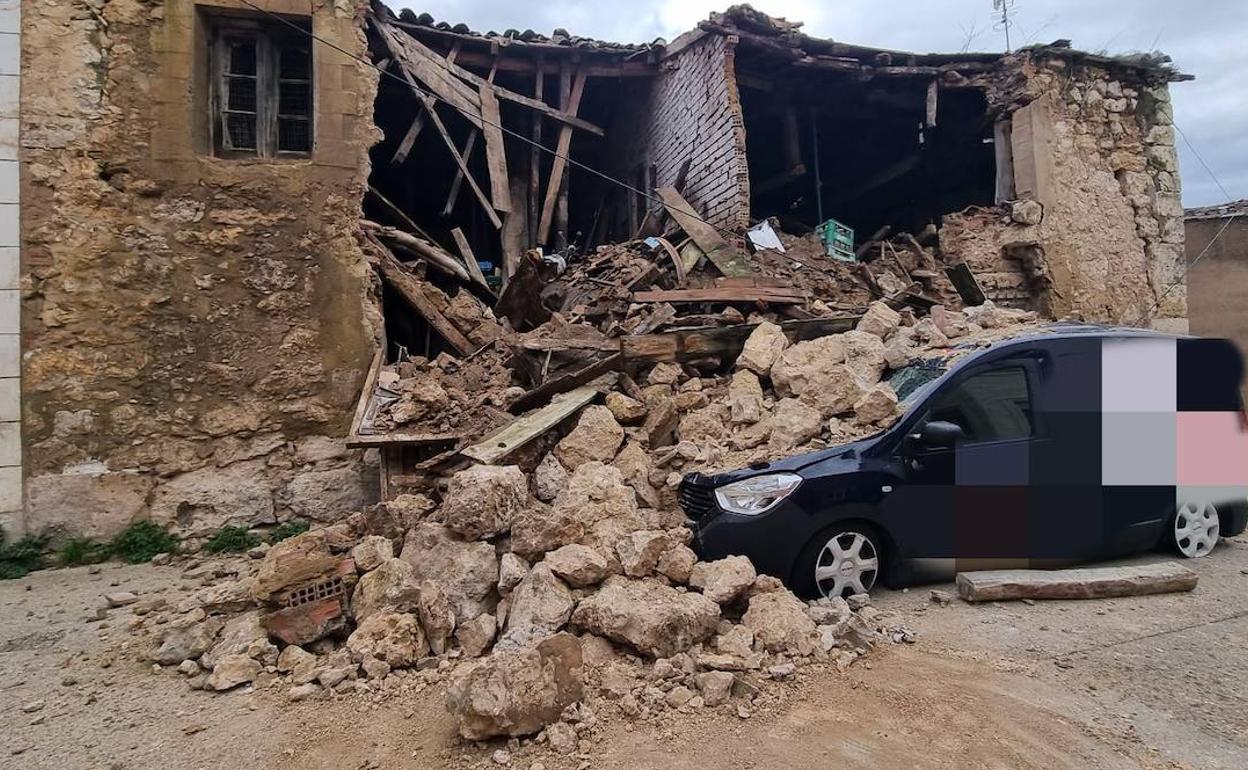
column 393, row 208
column 1084, row 583
column 568, row 118
column 409, row 139
column 389, row 36
column 963, row 280
column 560, row 163
column 402, row 439
column 677, row 263
column 719, row 341
column 420, row 247
column 495, row 157
column 470, row 259
column 728, row 294
column 411, row 289
column 366, row 392
column 469, row 143
column 521, row 431
column 548, row 390
column 416, row 61
column 717, row 250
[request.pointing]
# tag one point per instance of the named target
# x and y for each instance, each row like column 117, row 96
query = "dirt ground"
column 1154, row 682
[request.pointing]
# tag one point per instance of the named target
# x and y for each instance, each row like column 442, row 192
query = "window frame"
column 1024, row 367
column 270, row 41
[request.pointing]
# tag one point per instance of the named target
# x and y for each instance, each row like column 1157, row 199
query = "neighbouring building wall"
column 1217, row 285
column 10, row 239
column 1096, row 150
column 694, row 111
column 195, row 329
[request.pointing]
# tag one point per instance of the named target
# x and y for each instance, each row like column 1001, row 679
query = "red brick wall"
column 693, row 110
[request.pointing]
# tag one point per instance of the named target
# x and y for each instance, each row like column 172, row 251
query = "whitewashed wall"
column 10, row 305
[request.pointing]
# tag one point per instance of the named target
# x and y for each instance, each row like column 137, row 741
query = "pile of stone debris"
column 540, row 591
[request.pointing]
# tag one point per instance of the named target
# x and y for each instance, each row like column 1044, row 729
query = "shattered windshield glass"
column 912, row 381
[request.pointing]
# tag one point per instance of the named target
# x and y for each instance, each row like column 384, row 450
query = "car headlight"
column 758, row 494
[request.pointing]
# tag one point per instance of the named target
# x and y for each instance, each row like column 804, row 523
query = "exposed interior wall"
column 1217, row 285
column 195, row 329
column 1096, row 149
column 694, row 111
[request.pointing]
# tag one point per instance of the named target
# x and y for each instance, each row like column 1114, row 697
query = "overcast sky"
column 1205, row 38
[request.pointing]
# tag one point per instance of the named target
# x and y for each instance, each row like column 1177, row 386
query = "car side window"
column 990, row 406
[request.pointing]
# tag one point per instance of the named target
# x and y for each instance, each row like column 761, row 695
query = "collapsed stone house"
column 197, row 313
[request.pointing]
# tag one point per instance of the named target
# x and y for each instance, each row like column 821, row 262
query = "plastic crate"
column 838, row 240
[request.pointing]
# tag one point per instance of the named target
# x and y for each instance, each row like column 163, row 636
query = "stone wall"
column 1095, row 148
column 195, row 329
column 694, row 111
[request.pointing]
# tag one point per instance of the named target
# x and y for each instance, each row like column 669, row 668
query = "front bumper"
column 771, row 541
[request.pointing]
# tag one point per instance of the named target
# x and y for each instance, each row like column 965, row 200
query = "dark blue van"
column 1071, row 444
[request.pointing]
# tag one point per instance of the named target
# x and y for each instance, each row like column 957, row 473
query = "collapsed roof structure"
column 551, row 208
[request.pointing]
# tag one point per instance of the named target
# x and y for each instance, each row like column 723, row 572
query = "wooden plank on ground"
column 560, row 163
column 411, row 289
column 727, row 294
column 470, row 259
column 963, row 280
column 524, row 429
column 548, row 390
column 495, row 156
column 1086, row 583
column 719, row 341
column 729, row 260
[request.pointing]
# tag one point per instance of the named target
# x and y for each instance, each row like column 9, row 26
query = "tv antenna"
column 1004, row 6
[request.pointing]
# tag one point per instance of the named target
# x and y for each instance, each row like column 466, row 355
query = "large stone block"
column 95, row 505
column 333, row 494
column 199, row 503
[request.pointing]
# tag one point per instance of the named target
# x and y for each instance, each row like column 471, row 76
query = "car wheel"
column 1194, row 529
column 841, row 561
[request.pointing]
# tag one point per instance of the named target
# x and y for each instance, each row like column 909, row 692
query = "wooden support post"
column 933, row 89
column 560, row 163
column 535, row 159
column 561, row 203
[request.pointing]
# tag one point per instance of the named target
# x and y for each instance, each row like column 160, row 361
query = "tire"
column 848, row 557
column 1194, row 529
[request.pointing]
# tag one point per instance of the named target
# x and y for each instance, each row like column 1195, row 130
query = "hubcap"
column 847, row 564
column 1196, row 529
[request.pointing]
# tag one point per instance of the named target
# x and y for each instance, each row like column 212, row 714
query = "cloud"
column 1205, row 39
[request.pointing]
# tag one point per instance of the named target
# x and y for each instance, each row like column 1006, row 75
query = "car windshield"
column 912, row 381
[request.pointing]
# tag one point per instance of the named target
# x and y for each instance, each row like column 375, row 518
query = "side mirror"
column 940, row 434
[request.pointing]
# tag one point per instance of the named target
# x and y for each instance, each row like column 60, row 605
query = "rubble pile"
column 546, row 591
